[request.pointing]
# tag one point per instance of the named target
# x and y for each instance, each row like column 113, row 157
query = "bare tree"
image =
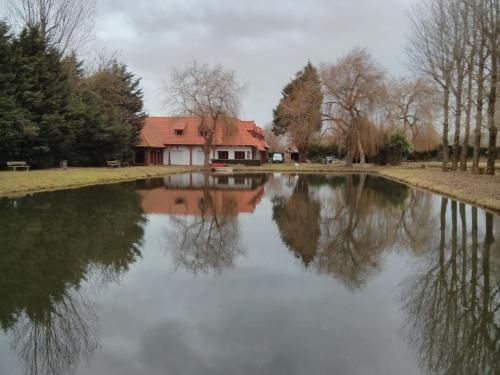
column 430, row 52
column 65, row 24
column 456, row 43
column 210, row 93
column 352, row 88
column 492, row 30
column 479, row 16
column 458, row 12
column 412, row 107
column 275, row 142
column 472, row 39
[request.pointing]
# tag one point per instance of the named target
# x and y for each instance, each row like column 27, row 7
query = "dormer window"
column 179, row 129
column 203, row 133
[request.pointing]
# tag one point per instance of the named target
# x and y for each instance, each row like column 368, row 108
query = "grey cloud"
column 265, row 41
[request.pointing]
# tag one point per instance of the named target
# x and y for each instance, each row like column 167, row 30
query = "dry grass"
column 481, row 190
column 14, row 183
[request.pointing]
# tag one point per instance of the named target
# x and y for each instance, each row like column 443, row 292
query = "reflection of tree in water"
column 417, row 223
column 55, row 342
column 341, row 232
column 357, row 229
column 453, row 303
column 209, row 242
column 51, row 243
column 298, row 221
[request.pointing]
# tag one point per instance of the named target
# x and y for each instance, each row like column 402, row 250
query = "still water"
column 248, row 274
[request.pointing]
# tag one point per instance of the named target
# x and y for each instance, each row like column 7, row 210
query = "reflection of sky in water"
column 261, row 316
column 268, row 313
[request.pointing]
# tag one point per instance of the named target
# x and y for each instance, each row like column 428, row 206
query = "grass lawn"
column 481, row 190
column 20, row 182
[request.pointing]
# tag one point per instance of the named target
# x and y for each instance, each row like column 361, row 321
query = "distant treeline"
column 52, row 110
column 317, row 152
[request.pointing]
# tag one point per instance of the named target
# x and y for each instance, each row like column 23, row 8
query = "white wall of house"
column 166, row 160
column 232, row 150
column 198, row 156
column 179, row 155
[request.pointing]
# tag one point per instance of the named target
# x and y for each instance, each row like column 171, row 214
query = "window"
column 179, row 131
column 203, row 133
column 224, row 155
column 239, row 155
column 248, row 154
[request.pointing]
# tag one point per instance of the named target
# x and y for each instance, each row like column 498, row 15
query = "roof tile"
column 160, row 131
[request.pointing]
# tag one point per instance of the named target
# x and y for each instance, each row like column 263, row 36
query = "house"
column 177, row 141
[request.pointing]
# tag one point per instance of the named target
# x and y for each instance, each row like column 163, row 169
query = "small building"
column 177, row 141
column 291, row 155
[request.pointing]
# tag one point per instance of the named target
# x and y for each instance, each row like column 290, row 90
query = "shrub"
column 396, row 148
column 317, row 152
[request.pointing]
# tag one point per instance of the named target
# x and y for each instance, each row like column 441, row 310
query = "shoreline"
column 482, row 191
column 20, row 183
column 478, row 190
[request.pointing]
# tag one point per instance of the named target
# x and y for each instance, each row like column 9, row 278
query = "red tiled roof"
column 160, row 131
column 150, row 137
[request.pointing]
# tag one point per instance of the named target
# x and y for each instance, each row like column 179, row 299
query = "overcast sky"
column 264, row 41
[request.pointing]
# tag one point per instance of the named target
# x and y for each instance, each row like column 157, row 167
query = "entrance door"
column 177, row 157
column 198, row 156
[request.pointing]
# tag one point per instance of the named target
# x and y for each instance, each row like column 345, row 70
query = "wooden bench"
column 113, row 163
column 14, row 165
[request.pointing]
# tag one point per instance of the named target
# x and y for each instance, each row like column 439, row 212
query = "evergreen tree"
column 298, row 113
column 12, row 117
column 120, row 100
column 43, row 91
column 51, row 111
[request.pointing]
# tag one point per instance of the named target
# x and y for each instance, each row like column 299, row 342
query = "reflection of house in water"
column 187, row 194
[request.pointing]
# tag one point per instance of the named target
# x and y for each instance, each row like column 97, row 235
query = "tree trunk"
column 446, row 119
column 350, row 148
column 360, row 149
column 302, row 153
column 479, row 108
column 458, row 121
column 492, row 128
column 206, row 162
column 468, row 113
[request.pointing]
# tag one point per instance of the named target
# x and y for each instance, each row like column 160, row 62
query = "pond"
column 248, row 274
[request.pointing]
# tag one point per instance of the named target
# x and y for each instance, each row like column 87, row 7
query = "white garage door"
column 198, row 157
column 178, row 157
